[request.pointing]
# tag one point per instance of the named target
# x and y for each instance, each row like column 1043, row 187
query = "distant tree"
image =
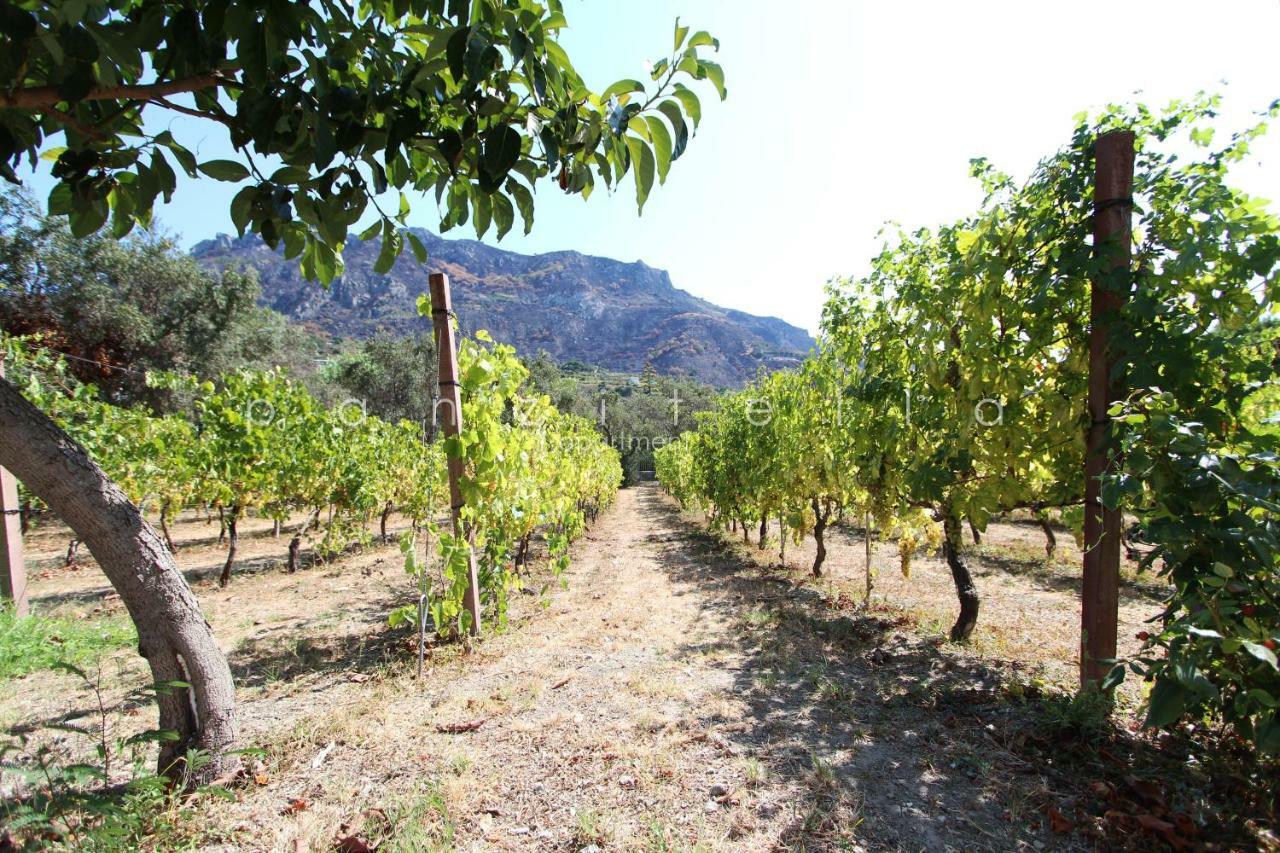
column 394, row 377
column 121, row 308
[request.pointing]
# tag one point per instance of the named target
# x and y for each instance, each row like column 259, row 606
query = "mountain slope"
column 595, row 310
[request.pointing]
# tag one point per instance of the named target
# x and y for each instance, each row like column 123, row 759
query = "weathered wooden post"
column 1112, row 238
column 451, row 398
column 13, row 571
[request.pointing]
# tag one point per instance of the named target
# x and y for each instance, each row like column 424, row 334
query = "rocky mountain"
column 596, row 310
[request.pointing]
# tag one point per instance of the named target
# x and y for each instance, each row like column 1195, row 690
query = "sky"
column 844, row 115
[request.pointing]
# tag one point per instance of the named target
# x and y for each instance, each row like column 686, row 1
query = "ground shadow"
column 903, row 741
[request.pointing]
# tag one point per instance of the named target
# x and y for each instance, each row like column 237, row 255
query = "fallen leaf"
column 459, row 728
column 295, row 805
column 261, row 779
column 353, row 844
column 1058, row 822
column 359, row 677
column 561, row 683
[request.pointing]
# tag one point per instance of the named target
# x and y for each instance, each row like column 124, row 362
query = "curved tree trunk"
column 164, row 527
column 819, row 528
column 1050, row 540
column 295, row 544
column 233, row 539
column 382, row 523
column 866, row 545
column 172, row 634
column 966, row 591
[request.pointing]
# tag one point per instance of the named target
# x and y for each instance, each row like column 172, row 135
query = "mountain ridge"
column 601, row 311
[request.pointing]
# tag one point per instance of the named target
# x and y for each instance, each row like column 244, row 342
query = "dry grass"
column 681, row 694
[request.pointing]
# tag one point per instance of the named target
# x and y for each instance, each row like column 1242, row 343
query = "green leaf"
column 661, row 139
column 524, row 201
column 1261, row 652
column 621, row 87
column 88, row 217
column 680, row 34
column 643, row 165
column 501, row 151
column 1166, row 704
column 419, row 250
column 689, row 100
column 503, row 214
column 224, row 170
column 391, row 246
column 715, row 74
column 700, row 38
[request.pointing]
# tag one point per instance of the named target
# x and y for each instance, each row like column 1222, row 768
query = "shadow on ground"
column 902, row 742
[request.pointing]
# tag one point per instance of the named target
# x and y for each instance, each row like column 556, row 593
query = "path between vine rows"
column 673, row 695
column 681, row 692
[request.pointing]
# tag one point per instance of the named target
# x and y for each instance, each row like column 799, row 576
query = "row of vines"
column 258, row 442
column 949, row 386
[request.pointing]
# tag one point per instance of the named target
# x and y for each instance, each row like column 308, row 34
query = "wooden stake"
column 13, row 571
column 1112, row 238
column 451, row 398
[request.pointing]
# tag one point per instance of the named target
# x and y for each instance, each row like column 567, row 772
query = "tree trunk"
column 746, row 534
column 386, row 511
column 1050, row 540
column 73, row 547
column 164, row 526
column 966, row 591
column 782, row 541
column 764, row 529
column 233, row 540
column 866, row 544
column 172, row 633
column 975, row 533
column 295, row 544
column 275, row 528
column 819, row 528
column 24, row 518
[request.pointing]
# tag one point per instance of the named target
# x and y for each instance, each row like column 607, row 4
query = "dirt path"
column 674, row 696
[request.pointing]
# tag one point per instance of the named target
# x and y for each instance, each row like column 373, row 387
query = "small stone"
column 718, row 790
column 627, row 781
column 710, row 806
column 590, row 848
column 767, row 809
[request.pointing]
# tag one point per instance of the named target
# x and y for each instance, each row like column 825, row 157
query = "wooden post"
column 449, row 395
column 1112, row 238
column 13, row 571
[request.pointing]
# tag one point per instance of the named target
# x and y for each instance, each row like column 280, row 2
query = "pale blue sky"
column 842, row 115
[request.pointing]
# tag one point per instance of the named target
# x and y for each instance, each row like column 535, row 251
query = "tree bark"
column 386, row 511
column 746, row 533
column 173, row 635
column 966, row 591
column 764, row 528
column 819, row 528
column 73, row 547
column 975, row 533
column 233, row 539
column 164, row 526
column 782, row 541
column 866, row 544
column 295, row 544
column 1050, row 540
